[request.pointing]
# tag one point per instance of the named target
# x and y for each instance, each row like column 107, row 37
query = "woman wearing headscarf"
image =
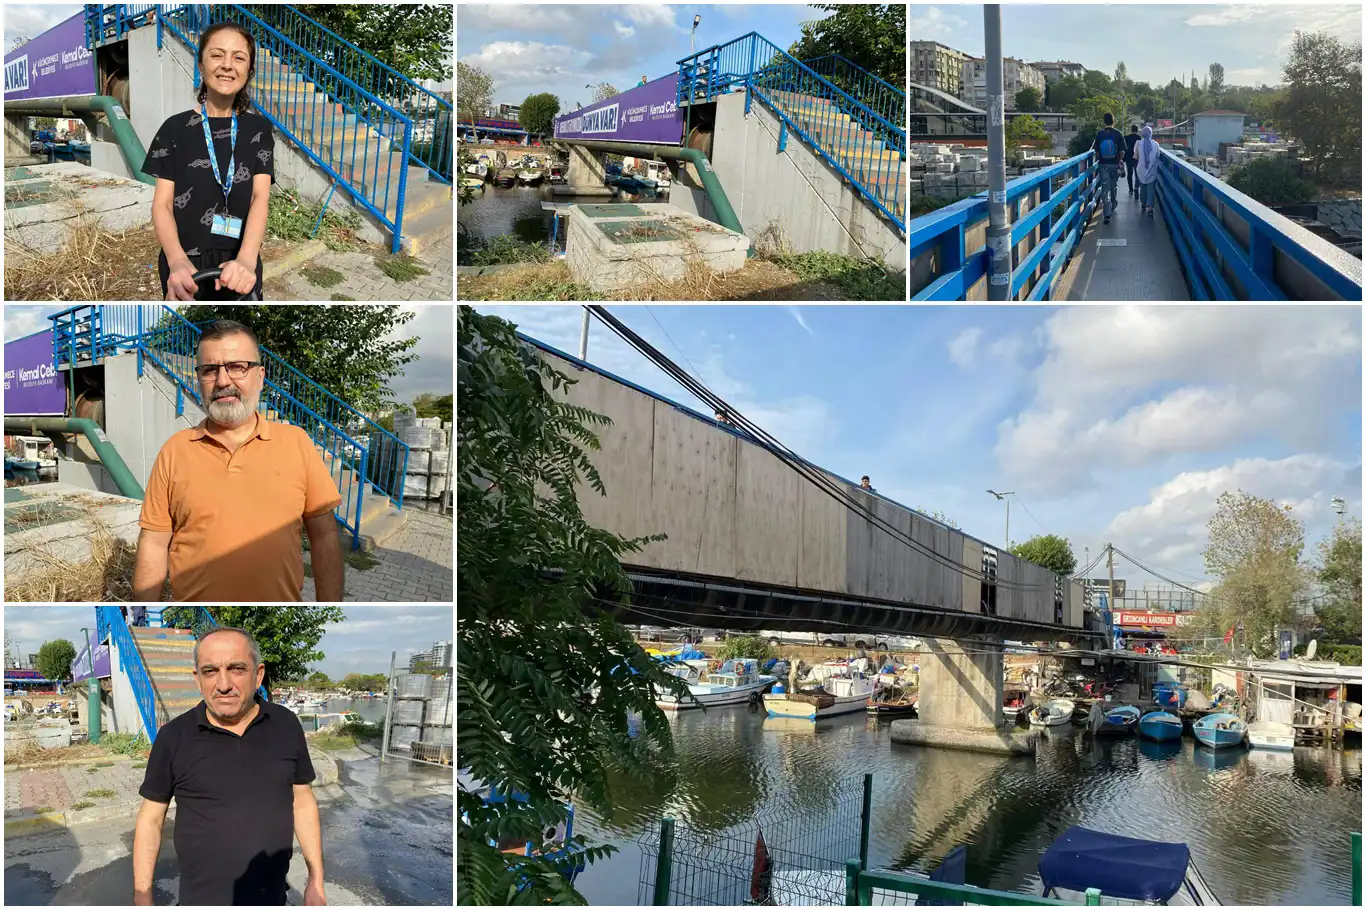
column 1148, row 155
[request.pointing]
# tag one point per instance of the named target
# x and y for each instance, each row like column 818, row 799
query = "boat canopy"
column 1124, row 867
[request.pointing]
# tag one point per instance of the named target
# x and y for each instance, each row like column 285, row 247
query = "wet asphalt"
column 387, row 837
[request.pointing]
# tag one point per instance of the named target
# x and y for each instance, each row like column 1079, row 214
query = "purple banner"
column 53, row 65
column 33, row 387
column 80, row 667
column 646, row 113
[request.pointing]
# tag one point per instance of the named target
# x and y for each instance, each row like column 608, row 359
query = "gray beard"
column 232, row 414
column 226, row 719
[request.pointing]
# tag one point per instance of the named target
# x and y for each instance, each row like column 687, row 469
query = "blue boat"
column 1220, row 731
column 1124, row 868
column 555, row 844
column 21, row 464
column 1159, row 725
column 1119, row 721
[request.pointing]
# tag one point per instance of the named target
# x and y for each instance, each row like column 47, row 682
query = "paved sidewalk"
column 415, row 565
column 363, row 280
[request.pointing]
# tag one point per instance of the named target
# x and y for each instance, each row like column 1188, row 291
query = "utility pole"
column 583, row 337
column 1110, row 558
column 1000, row 496
column 998, row 228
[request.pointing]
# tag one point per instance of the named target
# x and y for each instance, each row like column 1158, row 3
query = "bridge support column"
column 16, row 137
column 585, row 167
column 961, row 700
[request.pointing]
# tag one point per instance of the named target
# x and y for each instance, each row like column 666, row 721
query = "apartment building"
column 937, row 66
column 1016, row 75
column 1056, row 69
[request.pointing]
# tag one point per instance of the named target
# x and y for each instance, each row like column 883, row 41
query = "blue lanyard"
column 213, row 156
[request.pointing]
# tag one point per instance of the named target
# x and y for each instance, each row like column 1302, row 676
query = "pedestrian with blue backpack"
column 1109, row 148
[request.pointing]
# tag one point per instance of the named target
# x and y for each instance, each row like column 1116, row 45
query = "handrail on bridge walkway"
column 1230, row 246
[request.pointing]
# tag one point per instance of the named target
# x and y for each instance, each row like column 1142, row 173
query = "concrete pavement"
column 415, row 565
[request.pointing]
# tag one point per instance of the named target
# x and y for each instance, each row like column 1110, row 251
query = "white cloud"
column 623, row 31
column 513, row 63
column 1227, row 16
column 963, row 348
column 933, row 22
column 801, row 321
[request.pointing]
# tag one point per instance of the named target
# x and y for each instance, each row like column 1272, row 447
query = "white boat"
column 479, row 169
column 837, row 695
column 1268, row 734
column 530, row 176
column 734, row 684
column 1052, row 713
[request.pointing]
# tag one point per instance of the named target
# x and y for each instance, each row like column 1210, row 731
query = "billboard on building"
column 53, row 65
column 1152, row 620
column 33, row 387
column 646, row 113
column 1165, row 124
column 81, row 667
column 1105, row 583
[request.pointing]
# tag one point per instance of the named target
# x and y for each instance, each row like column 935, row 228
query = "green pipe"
column 75, row 105
column 109, row 456
column 715, row 192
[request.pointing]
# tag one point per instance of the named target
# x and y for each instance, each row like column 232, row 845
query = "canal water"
column 516, row 211
column 1263, row 827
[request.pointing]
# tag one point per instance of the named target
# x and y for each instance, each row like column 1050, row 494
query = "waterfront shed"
column 1214, row 127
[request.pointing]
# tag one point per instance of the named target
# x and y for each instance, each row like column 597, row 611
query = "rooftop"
column 1219, row 113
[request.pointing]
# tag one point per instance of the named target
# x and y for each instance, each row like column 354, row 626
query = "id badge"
column 227, row 226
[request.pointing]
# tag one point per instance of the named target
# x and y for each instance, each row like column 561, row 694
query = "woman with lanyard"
column 214, row 166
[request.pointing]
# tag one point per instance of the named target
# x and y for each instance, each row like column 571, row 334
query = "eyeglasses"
column 236, row 369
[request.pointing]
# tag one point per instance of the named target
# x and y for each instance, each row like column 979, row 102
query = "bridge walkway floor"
column 1142, row 266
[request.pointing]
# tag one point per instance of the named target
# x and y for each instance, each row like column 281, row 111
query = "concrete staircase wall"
column 794, row 193
column 168, row 654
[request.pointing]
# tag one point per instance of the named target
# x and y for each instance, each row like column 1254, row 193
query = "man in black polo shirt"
column 239, row 770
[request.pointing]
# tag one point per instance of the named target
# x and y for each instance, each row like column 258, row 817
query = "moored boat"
column 1119, row 721
column 836, row 695
column 1268, row 734
column 1122, row 868
column 505, row 177
column 471, row 183
column 1052, row 713
column 893, row 701
column 1220, row 731
column 1160, row 726
column 735, row 683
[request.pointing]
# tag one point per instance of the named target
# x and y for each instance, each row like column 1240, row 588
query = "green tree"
column 430, row 405
column 745, row 646
column 543, row 688
column 318, row 679
column 1028, row 99
column 603, row 91
column 1254, row 550
column 348, row 350
column 1090, row 116
column 1097, row 83
column 1216, row 78
column 1322, row 107
column 1271, row 181
column 870, row 35
column 538, row 112
column 1025, row 129
column 1052, row 552
column 413, row 38
column 1065, row 92
column 1339, row 574
column 54, row 659
column 474, row 93
column 287, row 636
column 939, row 517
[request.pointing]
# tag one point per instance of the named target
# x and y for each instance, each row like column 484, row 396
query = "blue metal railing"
column 110, row 620
column 361, row 141
column 429, row 111
column 888, row 101
column 1048, row 211
column 1230, row 246
column 113, row 21
column 88, row 333
column 862, row 145
column 1234, row 248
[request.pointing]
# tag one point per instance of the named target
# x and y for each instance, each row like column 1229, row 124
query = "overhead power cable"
column 1155, row 573
column 795, row 462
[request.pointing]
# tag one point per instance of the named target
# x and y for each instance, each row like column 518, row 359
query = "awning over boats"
column 1124, row 867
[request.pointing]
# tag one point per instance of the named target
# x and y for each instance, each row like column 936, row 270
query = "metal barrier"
column 113, row 21
column 1048, row 212
column 885, row 99
column 85, row 334
column 1234, row 248
column 862, row 145
column 886, row 888
column 110, row 619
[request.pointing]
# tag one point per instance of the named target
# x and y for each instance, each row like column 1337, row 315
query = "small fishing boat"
column 893, row 701
column 480, row 168
column 1268, row 734
column 21, row 464
column 530, row 174
column 1016, row 700
column 1119, row 721
column 1122, row 868
column 735, row 683
column 836, row 695
column 1160, row 725
column 472, row 183
column 1053, row 713
column 1219, row 731
column 505, row 177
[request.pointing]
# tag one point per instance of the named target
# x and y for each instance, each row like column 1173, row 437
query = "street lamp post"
column 692, row 42
column 1003, row 496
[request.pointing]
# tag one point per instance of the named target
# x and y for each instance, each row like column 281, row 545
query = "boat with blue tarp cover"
column 1219, row 731
column 1123, row 869
column 1120, row 721
column 1160, row 725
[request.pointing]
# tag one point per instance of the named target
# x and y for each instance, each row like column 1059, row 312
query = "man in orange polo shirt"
column 227, row 499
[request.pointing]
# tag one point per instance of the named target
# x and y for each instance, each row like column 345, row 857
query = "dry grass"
column 758, row 280
column 106, row 575
column 29, row 752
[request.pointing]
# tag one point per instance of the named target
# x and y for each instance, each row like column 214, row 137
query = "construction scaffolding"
column 418, row 722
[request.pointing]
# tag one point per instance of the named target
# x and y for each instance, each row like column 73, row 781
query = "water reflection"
column 1264, row 828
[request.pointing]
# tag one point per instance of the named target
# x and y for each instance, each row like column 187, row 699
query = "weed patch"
column 500, row 250
column 321, row 276
column 860, row 279
column 83, row 804
column 41, row 809
column 341, row 297
column 126, row 743
column 400, row 268
column 360, row 559
column 292, row 219
column 101, row 793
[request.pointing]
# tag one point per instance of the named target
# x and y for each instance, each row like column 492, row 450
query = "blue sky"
column 432, row 326
column 1109, row 423
column 1157, row 42
column 360, row 644
column 562, row 48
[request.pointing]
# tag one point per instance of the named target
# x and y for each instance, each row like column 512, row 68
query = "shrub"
column 1271, row 181
column 500, row 250
column 745, row 646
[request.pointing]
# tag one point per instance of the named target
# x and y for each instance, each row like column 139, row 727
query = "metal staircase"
column 380, row 136
column 367, row 462
column 851, row 118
